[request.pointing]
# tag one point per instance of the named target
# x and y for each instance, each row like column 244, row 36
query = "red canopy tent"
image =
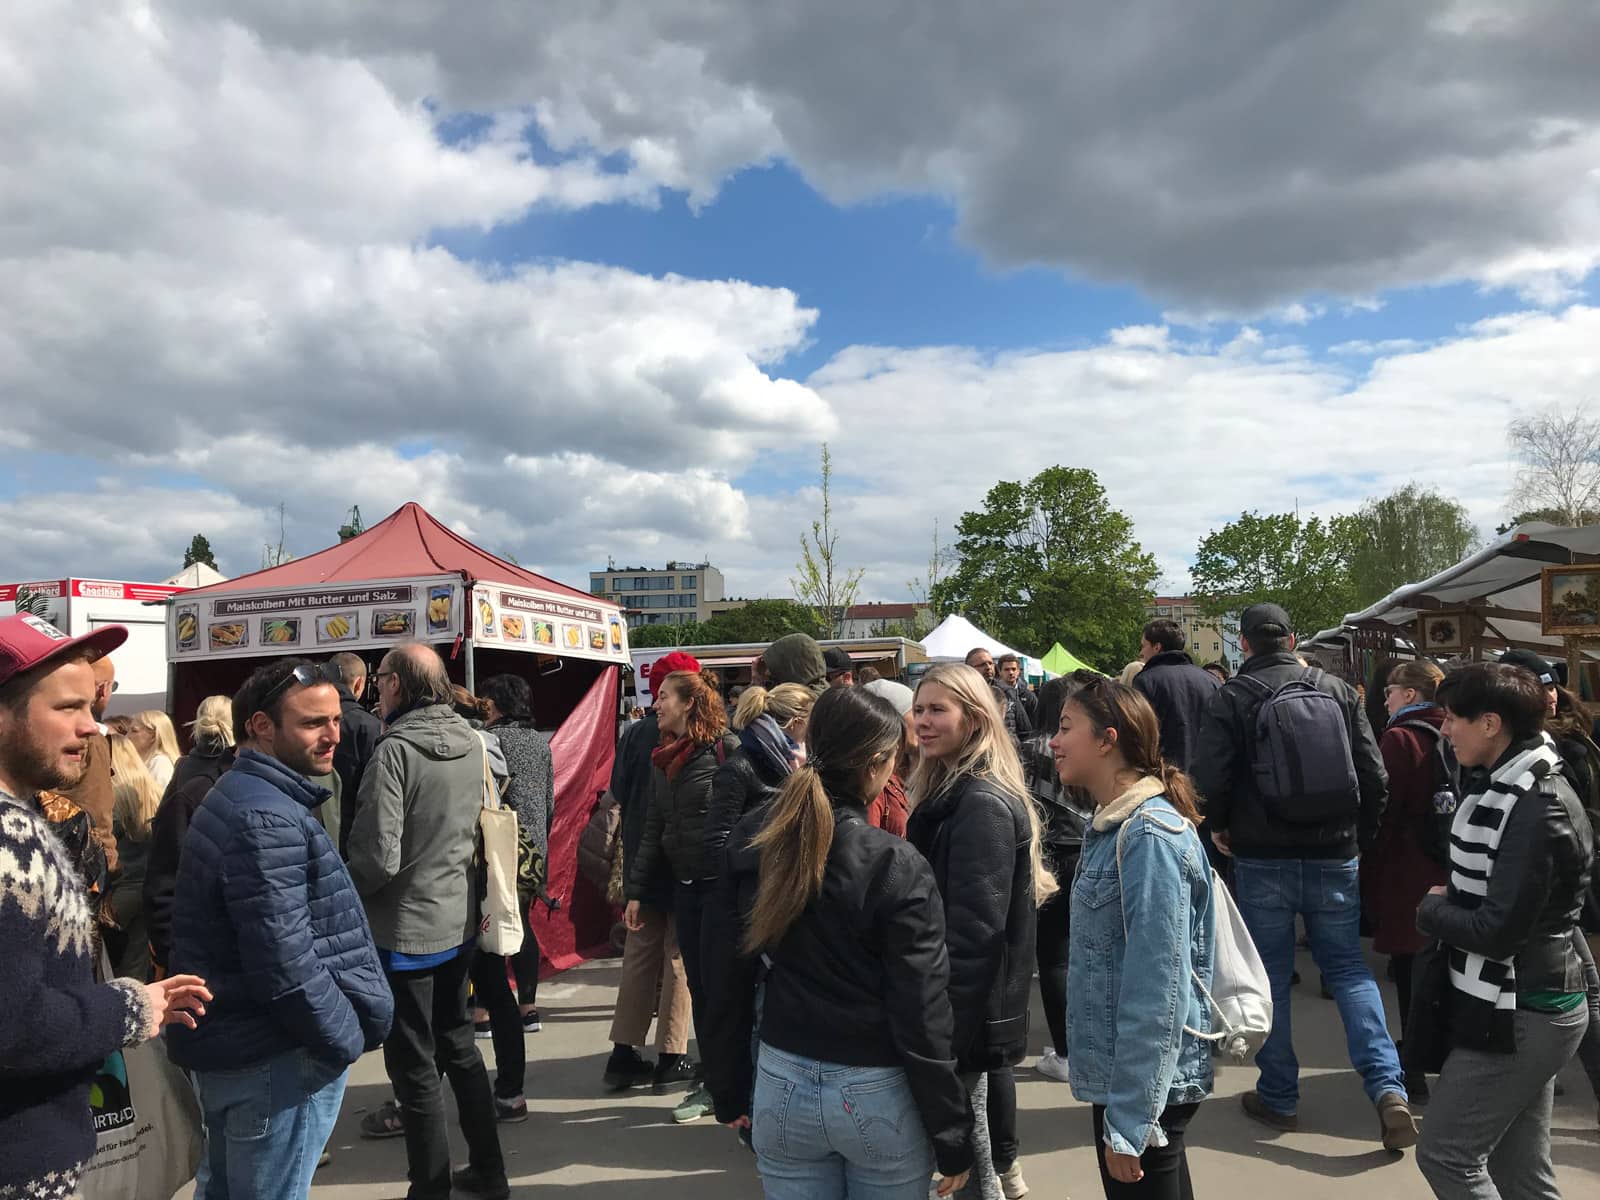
column 408, row 578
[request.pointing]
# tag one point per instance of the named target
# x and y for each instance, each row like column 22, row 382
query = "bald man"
column 93, row 793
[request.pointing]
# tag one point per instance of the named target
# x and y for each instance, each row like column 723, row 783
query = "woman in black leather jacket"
column 1521, row 852
column 856, row 1088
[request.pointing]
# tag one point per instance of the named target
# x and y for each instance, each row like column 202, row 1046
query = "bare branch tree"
column 822, row 583
column 1560, row 456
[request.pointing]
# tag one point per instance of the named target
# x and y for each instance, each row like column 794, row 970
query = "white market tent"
column 1499, row 585
column 196, row 575
column 956, row 636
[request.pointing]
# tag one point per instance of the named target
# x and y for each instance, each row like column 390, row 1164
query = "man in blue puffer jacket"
column 267, row 909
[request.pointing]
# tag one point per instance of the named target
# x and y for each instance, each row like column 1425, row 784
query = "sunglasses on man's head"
column 306, row 675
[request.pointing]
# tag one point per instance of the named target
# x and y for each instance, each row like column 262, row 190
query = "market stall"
column 409, row 578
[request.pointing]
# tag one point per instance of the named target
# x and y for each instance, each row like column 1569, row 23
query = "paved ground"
column 600, row 1147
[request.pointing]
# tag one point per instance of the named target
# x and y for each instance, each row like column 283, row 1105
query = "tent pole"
column 472, row 670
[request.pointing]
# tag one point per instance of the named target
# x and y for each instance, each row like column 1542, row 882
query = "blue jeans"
column 822, row 1131
column 266, row 1126
column 1271, row 892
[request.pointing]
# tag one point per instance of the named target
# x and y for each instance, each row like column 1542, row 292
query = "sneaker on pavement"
column 1052, row 1065
column 692, row 1107
column 474, row 1183
column 1255, row 1108
column 383, row 1122
column 510, row 1110
column 674, row 1075
column 530, row 1022
column 1398, row 1125
column 482, row 1030
column 1012, row 1185
column 627, row 1068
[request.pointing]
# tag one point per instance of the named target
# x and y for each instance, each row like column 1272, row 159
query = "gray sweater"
column 416, row 831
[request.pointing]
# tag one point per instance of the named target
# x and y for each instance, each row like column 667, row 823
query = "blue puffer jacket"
column 267, row 915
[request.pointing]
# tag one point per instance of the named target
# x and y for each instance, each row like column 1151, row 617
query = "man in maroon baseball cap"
column 56, row 1022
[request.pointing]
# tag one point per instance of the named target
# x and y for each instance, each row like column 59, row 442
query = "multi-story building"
column 678, row 594
column 1210, row 638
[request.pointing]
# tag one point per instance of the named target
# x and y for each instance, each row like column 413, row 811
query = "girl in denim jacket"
column 1136, row 1047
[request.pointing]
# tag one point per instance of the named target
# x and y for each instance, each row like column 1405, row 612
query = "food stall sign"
column 509, row 618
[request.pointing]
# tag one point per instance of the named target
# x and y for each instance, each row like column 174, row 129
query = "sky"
column 596, row 280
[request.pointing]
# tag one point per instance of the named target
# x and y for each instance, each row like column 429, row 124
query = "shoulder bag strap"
column 491, row 794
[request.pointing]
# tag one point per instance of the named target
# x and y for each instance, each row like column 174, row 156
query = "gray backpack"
column 1300, row 751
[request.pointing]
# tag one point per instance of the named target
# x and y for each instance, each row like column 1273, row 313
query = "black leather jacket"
column 1066, row 812
column 1223, row 772
column 1536, row 893
column 741, row 786
column 976, row 835
column 672, row 845
column 861, row 978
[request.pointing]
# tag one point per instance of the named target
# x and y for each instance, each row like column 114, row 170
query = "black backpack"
column 1300, row 751
column 1433, row 831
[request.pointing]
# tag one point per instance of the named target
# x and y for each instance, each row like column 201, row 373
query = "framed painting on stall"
column 1442, row 633
column 1570, row 600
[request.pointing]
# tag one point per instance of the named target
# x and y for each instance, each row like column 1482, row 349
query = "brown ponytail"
column 851, row 731
column 1112, row 705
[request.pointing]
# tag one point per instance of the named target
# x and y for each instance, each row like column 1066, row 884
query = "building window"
column 689, row 583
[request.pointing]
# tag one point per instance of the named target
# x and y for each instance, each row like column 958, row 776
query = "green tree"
column 822, row 582
column 1051, row 560
column 1302, row 565
column 1405, row 537
column 199, row 551
column 761, row 621
column 645, row 637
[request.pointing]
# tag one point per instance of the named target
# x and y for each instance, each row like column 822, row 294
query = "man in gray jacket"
column 411, row 856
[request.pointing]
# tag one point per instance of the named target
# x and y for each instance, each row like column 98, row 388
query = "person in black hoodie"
column 771, row 724
column 973, row 820
column 359, row 731
column 1177, row 689
column 696, row 742
column 837, row 922
column 192, row 780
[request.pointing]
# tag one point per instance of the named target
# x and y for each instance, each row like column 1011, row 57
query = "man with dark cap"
column 794, row 658
column 1294, row 790
column 841, row 667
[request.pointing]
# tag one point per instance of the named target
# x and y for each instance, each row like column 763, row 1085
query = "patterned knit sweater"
column 57, row 1025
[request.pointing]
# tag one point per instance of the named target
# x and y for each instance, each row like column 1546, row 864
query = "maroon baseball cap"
column 27, row 641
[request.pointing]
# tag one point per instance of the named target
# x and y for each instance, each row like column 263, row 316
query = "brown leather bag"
column 599, row 845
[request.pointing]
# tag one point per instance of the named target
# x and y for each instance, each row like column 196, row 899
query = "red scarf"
column 671, row 756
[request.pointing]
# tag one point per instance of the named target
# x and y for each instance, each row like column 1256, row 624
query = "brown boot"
column 1257, row 1110
column 1399, row 1126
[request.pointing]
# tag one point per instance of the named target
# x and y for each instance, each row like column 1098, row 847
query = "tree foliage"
column 757, row 621
column 1560, row 455
column 828, row 587
column 199, row 551
column 1302, row 565
column 1407, row 536
column 1051, row 560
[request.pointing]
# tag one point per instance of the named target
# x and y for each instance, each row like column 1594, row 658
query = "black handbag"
column 1427, row 1040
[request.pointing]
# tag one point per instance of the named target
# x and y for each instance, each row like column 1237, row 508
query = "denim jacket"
column 1127, row 1048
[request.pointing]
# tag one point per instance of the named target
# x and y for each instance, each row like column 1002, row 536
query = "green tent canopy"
column 1061, row 661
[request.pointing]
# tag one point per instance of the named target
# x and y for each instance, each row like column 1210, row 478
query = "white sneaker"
column 1052, row 1066
column 1012, row 1185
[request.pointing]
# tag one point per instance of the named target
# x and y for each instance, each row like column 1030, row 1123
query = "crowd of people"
column 841, row 886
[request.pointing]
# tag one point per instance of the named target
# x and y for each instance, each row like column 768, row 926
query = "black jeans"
column 493, row 993
column 1166, row 1168
column 433, row 1033
column 688, row 902
column 1404, row 966
column 1002, row 1113
column 525, row 965
column 1050, row 943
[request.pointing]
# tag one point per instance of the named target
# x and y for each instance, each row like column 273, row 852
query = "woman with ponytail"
column 694, row 744
column 854, row 1090
column 1142, row 931
column 771, row 724
column 974, row 821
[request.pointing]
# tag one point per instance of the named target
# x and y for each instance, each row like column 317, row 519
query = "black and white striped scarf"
column 1487, row 987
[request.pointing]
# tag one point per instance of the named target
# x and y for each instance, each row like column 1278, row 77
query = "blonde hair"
column 1129, row 671
column 987, row 753
column 213, row 722
column 136, row 795
column 782, row 703
column 158, row 723
column 1421, row 676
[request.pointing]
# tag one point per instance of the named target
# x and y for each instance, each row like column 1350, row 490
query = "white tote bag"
column 1240, row 993
column 500, row 930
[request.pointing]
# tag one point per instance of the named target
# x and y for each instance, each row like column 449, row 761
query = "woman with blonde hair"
column 854, row 1089
column 158, row 742
column 974, row 821
column 771, row 724
column 136, row 800
column 214, row 735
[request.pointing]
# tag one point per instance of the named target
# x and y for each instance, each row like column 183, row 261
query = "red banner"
column 583, row 750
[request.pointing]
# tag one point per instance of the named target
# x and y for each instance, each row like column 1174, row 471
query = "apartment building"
column 680, row 593
column 1209, row 637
